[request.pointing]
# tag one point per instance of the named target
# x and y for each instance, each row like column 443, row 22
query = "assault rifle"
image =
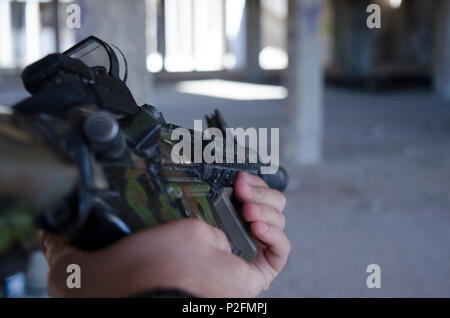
column 81, row 158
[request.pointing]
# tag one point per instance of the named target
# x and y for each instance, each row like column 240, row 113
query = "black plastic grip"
column 277, row 181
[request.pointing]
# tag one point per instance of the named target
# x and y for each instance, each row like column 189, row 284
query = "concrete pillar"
column 161, row 35
column 235, row 32
column 121, row 23
column 305, row 82
column 253, row 39
column 32, row 30
column 441, row 73
column 353, row 40
column 56, row 18
column 6, row 51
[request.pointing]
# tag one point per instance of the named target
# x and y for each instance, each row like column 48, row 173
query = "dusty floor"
column 381, row 195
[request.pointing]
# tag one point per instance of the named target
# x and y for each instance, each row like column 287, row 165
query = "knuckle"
column 282, row 201
column 271, row 215
column 254, row 211
column 251, row 192
column 268, row 214
column 259, row 193
column 257, row 180
column 282, row 220
column 243, row 191
column 288, row 246
column 220, row 235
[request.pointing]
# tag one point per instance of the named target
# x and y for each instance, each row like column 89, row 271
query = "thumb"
column 54, row 246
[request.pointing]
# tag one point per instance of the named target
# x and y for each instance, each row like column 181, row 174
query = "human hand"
column 263, row 208
column 188, row 255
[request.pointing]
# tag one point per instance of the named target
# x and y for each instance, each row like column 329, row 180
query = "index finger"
column 244, row 177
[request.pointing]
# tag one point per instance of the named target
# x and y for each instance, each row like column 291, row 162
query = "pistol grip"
column 233, row 225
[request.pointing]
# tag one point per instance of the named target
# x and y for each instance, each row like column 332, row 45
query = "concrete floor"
column 380, row 196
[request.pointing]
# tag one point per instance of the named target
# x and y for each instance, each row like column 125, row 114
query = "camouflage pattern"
column 173, row 195
column 33, row 178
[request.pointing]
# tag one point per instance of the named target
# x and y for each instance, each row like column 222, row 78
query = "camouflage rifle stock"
column 105, row 162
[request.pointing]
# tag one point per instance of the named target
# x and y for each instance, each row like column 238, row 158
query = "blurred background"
column 364, row 116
